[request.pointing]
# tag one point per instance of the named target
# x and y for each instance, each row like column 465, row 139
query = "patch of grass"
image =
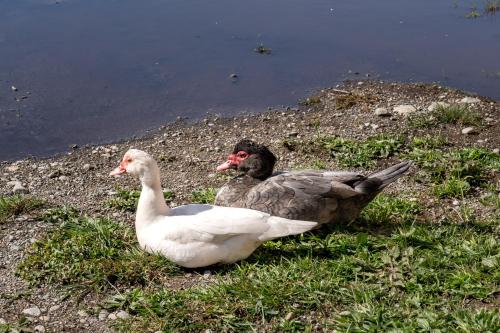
column 351, row 153
column 312, row 100
column 418, row 278
column 456, row 114
column 91, row 253
column 386, row 209
column 204, row 196
column 456, row 172
column 347, row 101
column 127, row 200
column 451, row 114
column 428, row 142
column 452, row 188
column 15, row 205
column 20, row 327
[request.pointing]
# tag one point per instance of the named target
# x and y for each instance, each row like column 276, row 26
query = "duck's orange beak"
column 118, row 171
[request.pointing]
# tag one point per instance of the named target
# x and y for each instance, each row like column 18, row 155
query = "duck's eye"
column 242, row 154
column 129, row 160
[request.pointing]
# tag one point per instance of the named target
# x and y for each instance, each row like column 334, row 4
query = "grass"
column 350, row 153
column 455, row 173
column 126, row 200
column 417, row 278
column 204, row 196
column 91, row 253
column 312, row 100
column 474, row 13
column 385, row 209
column 16, row 205
column 451, row 114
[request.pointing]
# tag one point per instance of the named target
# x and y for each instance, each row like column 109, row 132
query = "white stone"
column 488, row 119
column 112, row 316
column 103, row 314
column 12, row 168
column 455, row 202
column 382, row 112
column 496, row 151
column 39, row 328
column 54, row 308
column 404, row 109
column 3, row 321
column 18, row 187
column 435, row 105
column 469, row 130
column 82, row 313
column 122, row 314
column 470, row 100
column 33, row 311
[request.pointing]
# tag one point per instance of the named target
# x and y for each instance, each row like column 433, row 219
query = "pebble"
column 293, row 134
column 382, row 112
column 82, row 313
column 345, row 313
column 488, row 119
column 289, row 316
column 435, row 105
column 33, row 311
column 470, row 100
column 86, row 167
column 39, row 328
column 404, row 109
column 12, row 168
column 13, row 88
column 112, row 316
column 3, row 321
column 18, row 188
column 122, row 314
column 63, row 178
column 103, row 314
column 496, row 151
column 54, row 308
column 469, row 130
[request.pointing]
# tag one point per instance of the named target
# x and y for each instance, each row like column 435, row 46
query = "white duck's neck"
column 151, row 202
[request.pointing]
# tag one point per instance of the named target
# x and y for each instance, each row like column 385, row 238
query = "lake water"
column 91, row 71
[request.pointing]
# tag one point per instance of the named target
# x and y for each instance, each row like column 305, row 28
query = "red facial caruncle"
column 233, row 161
column 122, row 168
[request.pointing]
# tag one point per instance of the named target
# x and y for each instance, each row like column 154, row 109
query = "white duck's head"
column 135, row 162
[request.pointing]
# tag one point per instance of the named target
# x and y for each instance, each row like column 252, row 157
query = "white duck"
column 197, row 235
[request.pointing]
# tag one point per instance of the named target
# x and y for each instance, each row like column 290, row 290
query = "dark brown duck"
column 324, row 197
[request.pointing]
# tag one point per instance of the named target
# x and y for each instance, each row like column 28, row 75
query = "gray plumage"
column 324, row 197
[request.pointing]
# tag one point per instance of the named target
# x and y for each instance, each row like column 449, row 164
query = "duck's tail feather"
column 281, row 227
column 377, row 181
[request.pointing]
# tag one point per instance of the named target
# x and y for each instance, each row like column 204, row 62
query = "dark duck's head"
column 252, row 159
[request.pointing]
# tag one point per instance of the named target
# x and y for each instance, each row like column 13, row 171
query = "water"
column 90, row 71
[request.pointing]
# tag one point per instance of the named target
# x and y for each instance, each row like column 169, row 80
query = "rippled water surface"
column 90, row 71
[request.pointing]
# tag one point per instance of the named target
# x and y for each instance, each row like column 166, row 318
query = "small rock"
column 345, row 313
column 435, row 105
column 13, row 88
column 455, row 202
column 404, row 109
column 54, row 308
column 33, row 311
column 374, row 126
column 496, row 151
column 470, row 100
column 112, row 316
column 86, row 167
column 289, row 316
column 55, row 174
column 63, row 178
column 74, row 146
column 207, row 273
column 3, row 321
column 488, row 119
column 82, row 313
column 19, row 188
column 44, row 318
column 293, row 134
column 382, row 112
column 360, row 83
column 469, row 130
column 39, row 328
column 233, row 76
column 12, row 168
column 103, row 314
column 122, row 314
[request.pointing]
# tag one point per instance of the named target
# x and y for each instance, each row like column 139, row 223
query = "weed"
column 347, row 101
column 428, row 142
column 474, row 13
column 204, row 196
column 361, row 154
column 91, row 253
column 492, row 7
column 16, row 205
column 126, row 200
column 261, row 49
column 310, row 101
